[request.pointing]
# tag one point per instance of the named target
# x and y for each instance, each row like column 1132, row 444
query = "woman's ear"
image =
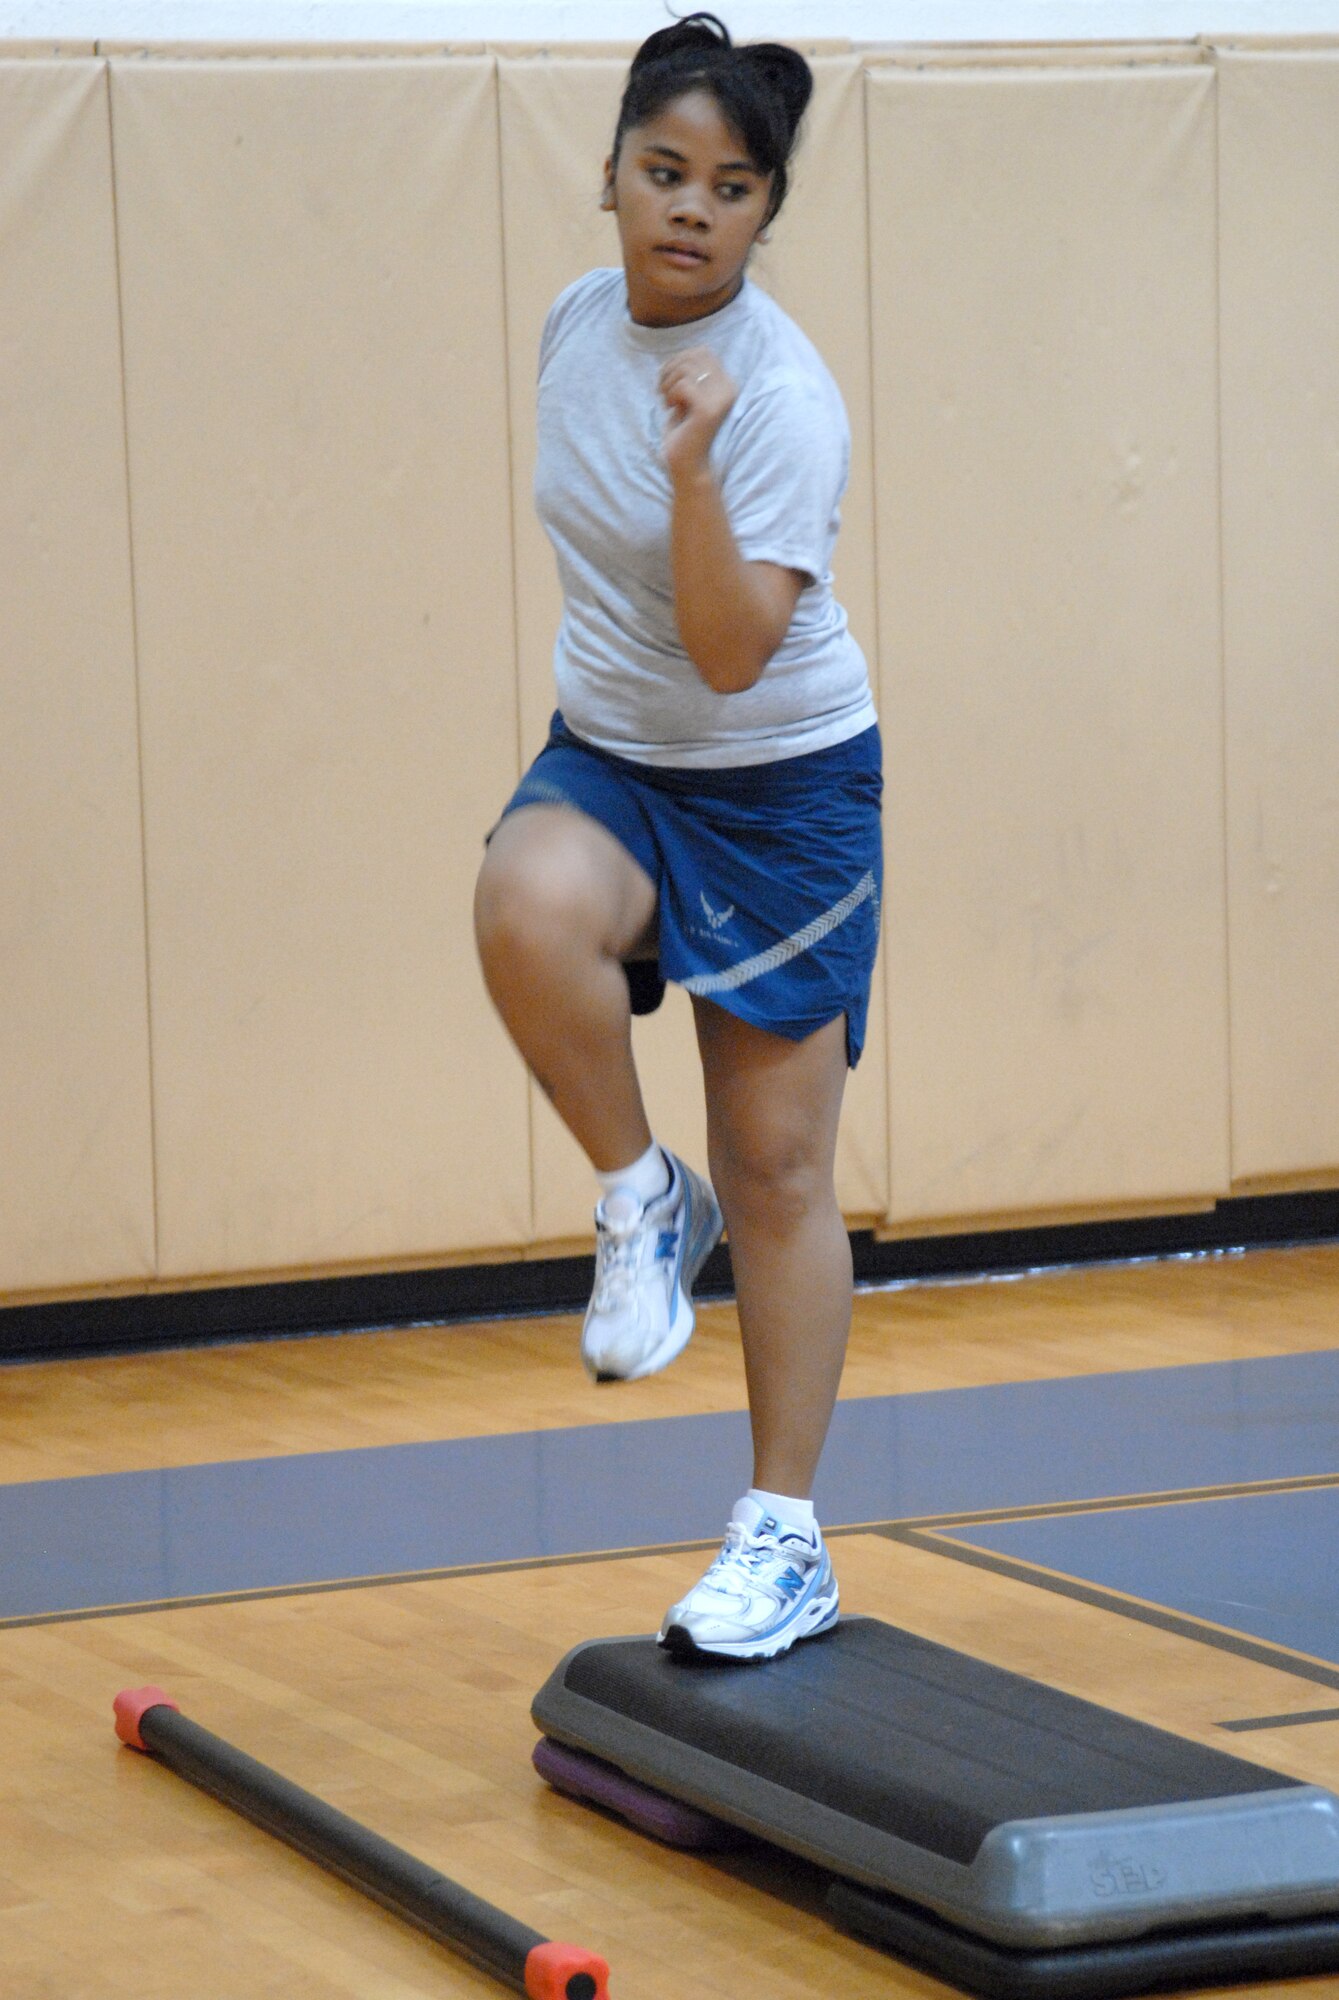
column 764, row 234
column 607, row 200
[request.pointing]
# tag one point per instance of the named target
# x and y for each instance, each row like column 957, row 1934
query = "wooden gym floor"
column 406, row 1703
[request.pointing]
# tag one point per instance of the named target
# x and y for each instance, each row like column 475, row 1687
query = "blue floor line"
column 266, row 1524
column 1262, row 1563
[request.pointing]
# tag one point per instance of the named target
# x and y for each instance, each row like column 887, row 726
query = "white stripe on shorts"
column 781, row 954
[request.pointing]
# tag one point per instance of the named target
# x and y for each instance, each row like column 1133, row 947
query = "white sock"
column 790, row 1512
column 643, row 1180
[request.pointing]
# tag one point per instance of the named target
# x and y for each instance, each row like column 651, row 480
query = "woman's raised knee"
column 527, row 895
column 554, row 880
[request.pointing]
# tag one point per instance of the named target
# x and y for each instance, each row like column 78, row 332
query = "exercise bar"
column 149, row 1720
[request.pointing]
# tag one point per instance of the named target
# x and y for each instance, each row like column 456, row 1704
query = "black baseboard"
column 562, row 1284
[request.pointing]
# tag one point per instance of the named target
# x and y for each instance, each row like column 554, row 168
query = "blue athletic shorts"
column 768, row 876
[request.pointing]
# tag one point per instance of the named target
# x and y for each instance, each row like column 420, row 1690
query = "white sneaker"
column 769, row 1586
column 646, row 1259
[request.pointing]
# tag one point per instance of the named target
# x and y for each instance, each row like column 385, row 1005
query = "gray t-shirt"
column 625, row 682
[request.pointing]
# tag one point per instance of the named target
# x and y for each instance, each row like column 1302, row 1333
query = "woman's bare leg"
column 772, row 1112
column 559, row 904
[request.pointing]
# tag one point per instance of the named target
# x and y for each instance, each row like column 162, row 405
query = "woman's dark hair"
column 762, row 89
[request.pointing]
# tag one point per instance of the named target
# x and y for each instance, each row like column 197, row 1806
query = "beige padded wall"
column 319, row 474
column 1042, row 268
column 557, row 121
column 197, row 49
column 557, row 118
column 76, row 1193
column 1279, row 143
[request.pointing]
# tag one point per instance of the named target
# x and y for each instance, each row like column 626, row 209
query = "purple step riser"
column 595, row 1782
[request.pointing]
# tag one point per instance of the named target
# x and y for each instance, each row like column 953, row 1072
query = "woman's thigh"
column 554, row 868
column 773, row 1104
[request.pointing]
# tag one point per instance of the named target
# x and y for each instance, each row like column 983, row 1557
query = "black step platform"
column 1220, row 1955
column 985, row 1825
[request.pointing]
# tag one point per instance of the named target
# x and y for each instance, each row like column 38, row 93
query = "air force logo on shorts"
column 717, row 919
column 767, row 877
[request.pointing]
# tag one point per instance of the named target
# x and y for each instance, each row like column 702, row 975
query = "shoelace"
column 615, row 1267
column 744, row 1551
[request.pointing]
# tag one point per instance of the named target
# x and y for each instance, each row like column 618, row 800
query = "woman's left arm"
column 731, row 614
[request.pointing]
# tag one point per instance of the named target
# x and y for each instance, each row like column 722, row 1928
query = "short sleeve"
column 784, row 471
column 590, row 291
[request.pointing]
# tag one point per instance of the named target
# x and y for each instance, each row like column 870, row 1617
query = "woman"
column 706, row 808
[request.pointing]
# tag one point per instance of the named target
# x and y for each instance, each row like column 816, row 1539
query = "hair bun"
column 788, row 76
column 701, row 32
column 761, row 90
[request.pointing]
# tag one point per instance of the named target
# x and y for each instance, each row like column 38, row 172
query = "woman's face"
column 690, row 206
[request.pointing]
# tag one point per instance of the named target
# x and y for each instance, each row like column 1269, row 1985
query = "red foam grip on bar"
column 565, row 1972
column 130, row 1707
